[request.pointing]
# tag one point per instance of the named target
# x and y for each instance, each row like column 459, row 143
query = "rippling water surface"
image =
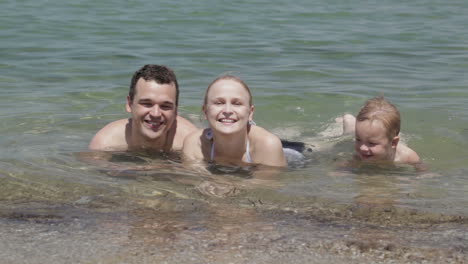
column 64, row 73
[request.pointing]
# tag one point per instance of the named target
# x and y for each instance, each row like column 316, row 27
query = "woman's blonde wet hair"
column 232, row 78
column 378, row 108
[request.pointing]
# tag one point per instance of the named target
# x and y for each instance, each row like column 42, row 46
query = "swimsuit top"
column 209, row 136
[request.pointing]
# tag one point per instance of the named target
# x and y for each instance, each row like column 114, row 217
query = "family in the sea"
column 232, row 137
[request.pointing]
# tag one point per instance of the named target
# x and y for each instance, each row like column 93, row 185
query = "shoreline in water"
column 241, row 228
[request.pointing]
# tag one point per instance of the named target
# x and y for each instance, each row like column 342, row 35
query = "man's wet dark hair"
column 151, row 72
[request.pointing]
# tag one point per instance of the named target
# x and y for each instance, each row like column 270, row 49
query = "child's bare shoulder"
column 406, row 155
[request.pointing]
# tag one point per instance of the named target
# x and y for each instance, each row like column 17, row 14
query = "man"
column 154, row 124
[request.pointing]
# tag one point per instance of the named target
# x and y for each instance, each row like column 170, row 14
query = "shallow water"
column 64, row 73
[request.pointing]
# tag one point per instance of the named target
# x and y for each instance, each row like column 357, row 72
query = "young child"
column 377, row 128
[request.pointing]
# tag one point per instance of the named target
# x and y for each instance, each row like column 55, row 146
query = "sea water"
column 64, row 73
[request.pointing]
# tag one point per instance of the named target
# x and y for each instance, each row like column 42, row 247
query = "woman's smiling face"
column 227, row 107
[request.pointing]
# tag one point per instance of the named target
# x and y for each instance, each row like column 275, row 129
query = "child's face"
column 372, row 143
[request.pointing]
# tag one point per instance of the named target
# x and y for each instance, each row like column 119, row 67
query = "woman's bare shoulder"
column 184, row 128
column 263, row 136
column 266, row 147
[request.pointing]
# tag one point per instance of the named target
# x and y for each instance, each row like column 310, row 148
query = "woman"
column 232, row 139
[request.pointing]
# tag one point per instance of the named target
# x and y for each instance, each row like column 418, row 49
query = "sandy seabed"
column 200, row 231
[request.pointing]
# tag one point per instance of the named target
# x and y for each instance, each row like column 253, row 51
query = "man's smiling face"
column 153, row 109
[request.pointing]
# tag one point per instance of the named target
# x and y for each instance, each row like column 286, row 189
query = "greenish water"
column 64, row 73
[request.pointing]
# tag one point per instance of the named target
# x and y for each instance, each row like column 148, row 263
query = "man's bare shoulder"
column 183, row 129
column 194, row 138
column 184, row 126
column 111, row 137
